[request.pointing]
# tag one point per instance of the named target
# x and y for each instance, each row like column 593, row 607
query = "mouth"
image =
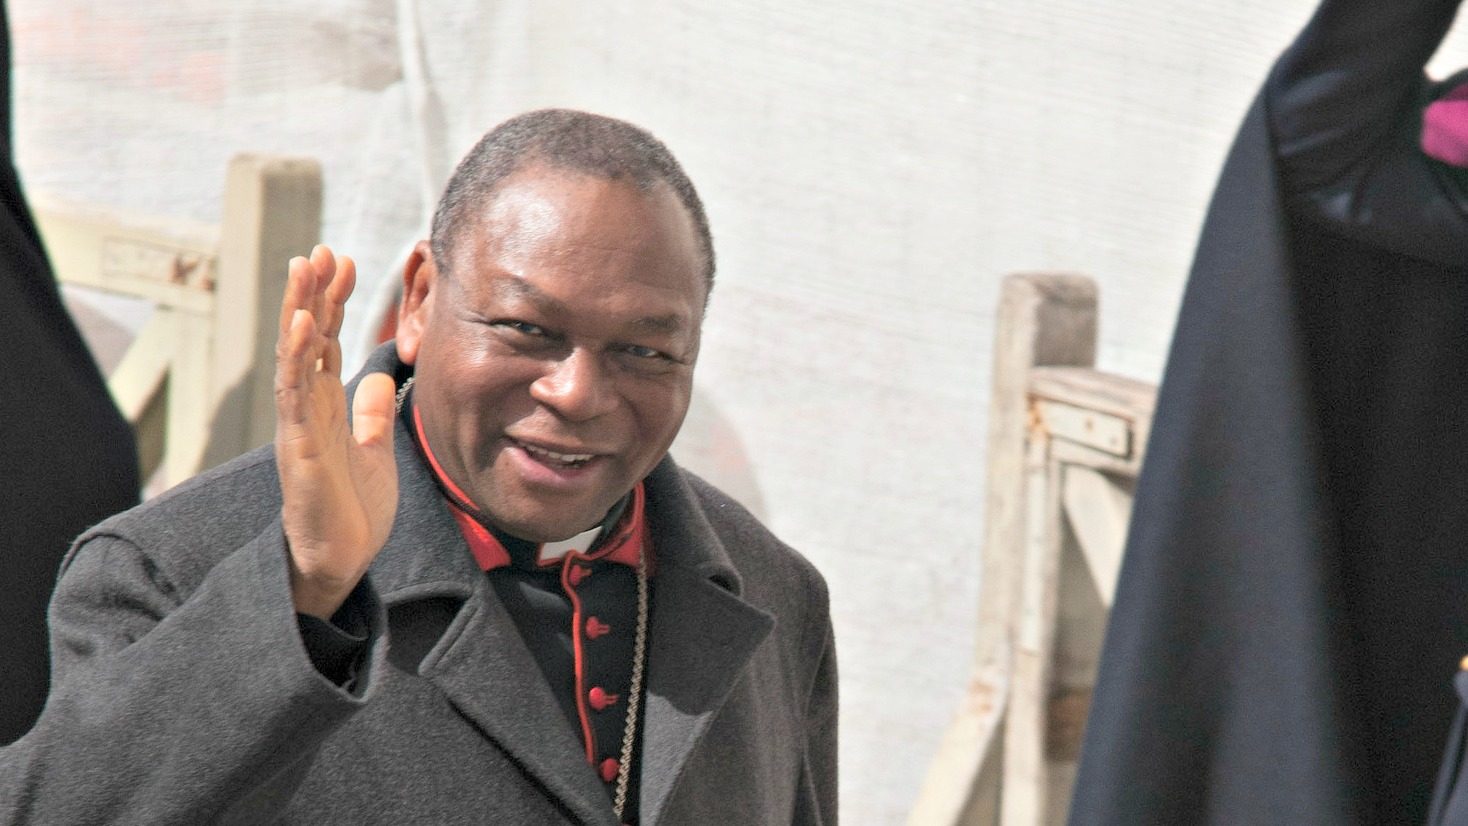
column 555, row 458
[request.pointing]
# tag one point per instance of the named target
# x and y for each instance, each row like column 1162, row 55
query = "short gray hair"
column 594, row 145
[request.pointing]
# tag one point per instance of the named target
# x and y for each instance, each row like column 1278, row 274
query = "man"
column 580, row 631
column 1294, row 598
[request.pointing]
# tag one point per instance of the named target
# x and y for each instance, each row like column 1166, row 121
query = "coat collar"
column 701, row 634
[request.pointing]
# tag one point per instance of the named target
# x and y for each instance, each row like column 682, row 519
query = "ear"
column 420, row 277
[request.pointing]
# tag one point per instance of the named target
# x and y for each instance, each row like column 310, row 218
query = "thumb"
column 373, row 411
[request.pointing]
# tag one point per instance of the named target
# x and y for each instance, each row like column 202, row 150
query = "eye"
column 522, row 327
column 643, row 352
column 641, row 360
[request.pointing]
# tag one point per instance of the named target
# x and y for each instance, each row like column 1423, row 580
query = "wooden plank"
column 272, row 211
column 1026, row 794
column 1094, row 390
column 139, row 386
column 971, row 750
column 1074, row 453
column 1126, row 401
column 150, row 430
column 170, row 262
column 1042, row 319
column 1092, row 428
column 1036, row 614
column 140, row 375
column 1098, row 510
column 188, row 416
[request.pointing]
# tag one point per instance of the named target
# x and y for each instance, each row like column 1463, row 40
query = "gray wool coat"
column 183, row 693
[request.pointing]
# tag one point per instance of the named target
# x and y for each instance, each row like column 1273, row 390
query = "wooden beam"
column 1043, row 319
column 1098, row 509
column 272, row 211
column 168, row 261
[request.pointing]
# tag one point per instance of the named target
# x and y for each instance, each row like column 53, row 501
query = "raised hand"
column 339, row 486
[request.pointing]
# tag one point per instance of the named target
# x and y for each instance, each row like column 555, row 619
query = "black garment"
column 66, row 455
column 1294, row 597
column 542, row 610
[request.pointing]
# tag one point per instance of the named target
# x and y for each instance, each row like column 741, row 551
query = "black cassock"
column 1294, row 599
column 67, row 458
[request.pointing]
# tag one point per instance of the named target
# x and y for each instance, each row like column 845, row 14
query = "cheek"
column 488, row 389
column 470, row 364
column 660, row 413
column 465, row 379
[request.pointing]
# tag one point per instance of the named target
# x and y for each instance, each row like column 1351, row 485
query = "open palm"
column 338, row 485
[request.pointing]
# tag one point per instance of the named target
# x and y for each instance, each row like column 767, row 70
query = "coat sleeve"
column 1345, row 112
column 172, row 707
column 821, row 714
column 817, row 802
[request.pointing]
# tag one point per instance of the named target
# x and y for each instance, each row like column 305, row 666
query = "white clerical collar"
column 580, row 544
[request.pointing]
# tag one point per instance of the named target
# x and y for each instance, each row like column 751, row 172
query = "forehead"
column 560, row 230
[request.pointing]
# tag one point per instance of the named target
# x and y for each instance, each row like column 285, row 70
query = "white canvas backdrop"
column 871, row 171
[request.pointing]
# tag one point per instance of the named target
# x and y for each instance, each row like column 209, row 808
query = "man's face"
column 554, row 361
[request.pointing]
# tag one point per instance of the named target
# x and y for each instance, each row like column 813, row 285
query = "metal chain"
column 634, row 694
column 403, row 394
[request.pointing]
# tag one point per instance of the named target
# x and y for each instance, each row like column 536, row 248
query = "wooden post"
column 272, row 211
column 1086, row 438
column 1043, row 319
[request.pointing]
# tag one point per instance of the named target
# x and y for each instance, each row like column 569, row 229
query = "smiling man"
column 580, row 632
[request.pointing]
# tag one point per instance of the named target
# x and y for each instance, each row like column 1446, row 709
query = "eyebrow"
column 663, row 324
column 507, row 288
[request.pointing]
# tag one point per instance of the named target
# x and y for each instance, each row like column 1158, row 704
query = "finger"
column 299, row 285
column 373, row 411
column 337, row 293
column 331, row 358
column 293, row 368
column 330, row 361
column 324, row 262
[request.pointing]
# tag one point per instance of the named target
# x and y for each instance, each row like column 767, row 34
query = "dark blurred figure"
column 1294, row 598
column 67, row 458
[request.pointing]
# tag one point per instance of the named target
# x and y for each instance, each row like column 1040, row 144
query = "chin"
column 551, row 528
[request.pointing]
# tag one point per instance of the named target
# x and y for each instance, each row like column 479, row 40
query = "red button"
column 577, row 574
column 600, row 699
column 609, row 768
column 596, row 628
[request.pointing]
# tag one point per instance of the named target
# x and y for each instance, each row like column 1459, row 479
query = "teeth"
column 564, row 458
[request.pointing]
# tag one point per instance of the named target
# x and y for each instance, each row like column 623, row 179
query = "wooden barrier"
column 1065, row 445
column 196, row 383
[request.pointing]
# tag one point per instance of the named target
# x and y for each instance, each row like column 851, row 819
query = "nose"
column 576, row 387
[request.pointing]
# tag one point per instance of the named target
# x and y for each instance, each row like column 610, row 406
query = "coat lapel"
column 702, row 636
column 483, row 667
column 477, row 659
